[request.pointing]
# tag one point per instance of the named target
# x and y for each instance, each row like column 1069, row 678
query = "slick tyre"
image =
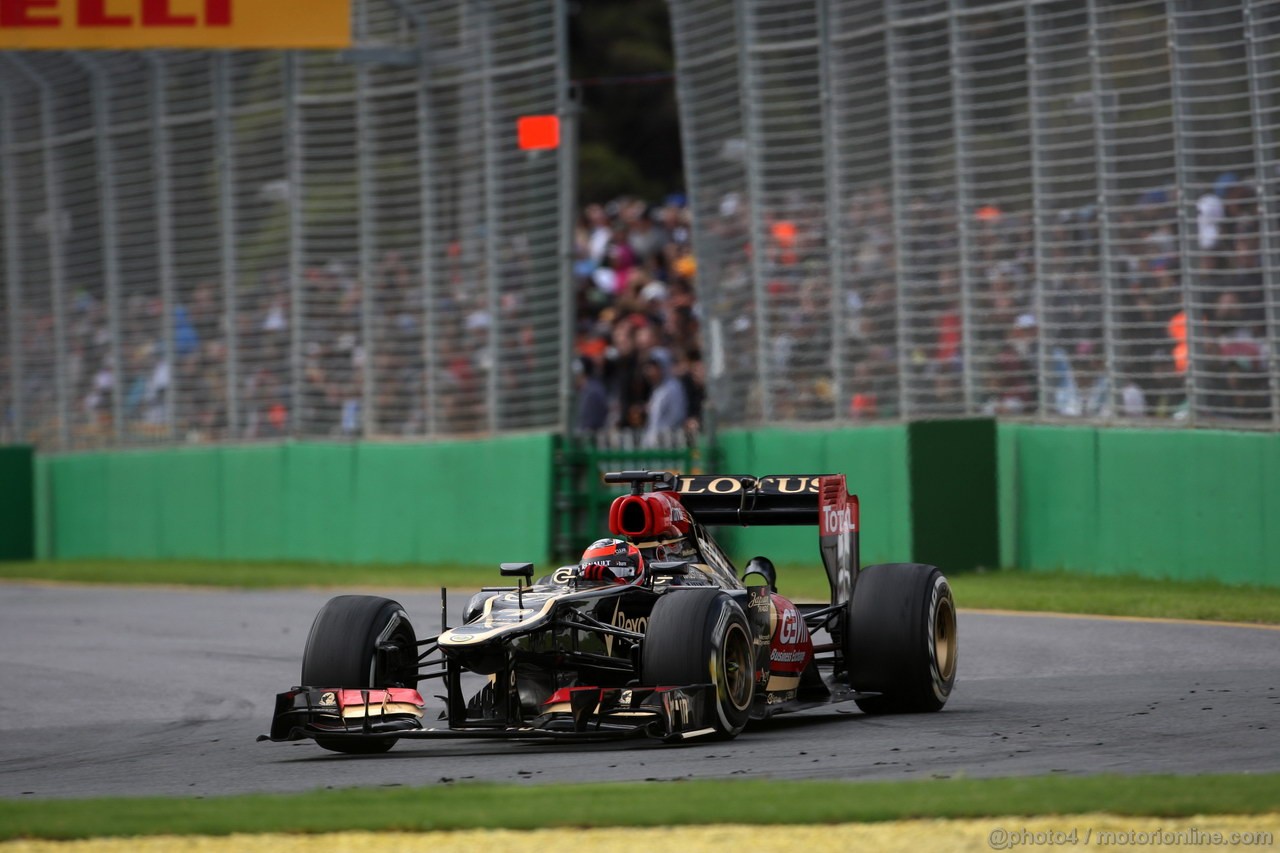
column 701, row 636
column 901, row 641
column 342, row 651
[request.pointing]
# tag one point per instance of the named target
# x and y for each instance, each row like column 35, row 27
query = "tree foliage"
column 620, row 53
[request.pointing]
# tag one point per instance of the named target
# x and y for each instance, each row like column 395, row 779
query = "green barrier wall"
column 873, row 458
column 44, row 521
column 1167, row 504
column 17, row 503
column 954, row 510
column 927, row 491
column 463, row 502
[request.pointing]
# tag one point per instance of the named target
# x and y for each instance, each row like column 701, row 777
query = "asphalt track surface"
column 120, row 691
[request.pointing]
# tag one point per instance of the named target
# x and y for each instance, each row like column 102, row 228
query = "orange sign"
column 538, row 133
column 126, row 24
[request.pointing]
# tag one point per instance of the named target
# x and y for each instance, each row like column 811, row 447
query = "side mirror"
column 751, row 579
column 764, row 567
column 670, row 568
column 524, row 570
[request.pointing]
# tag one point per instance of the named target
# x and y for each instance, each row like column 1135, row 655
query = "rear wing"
column 794, row 499
column 819, row 500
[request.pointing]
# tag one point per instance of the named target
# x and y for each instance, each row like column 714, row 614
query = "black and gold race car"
column 654, row 633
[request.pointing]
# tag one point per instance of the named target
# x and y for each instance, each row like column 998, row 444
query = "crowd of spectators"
column 636, row 356
column 1187, row 326
column 1036, row 337
column 639, row 364
column 184, row 394
column 937, row 325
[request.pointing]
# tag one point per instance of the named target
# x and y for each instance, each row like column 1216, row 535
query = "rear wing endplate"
column 820, row 500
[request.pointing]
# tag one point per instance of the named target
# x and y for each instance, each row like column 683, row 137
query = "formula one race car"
column 652, row 634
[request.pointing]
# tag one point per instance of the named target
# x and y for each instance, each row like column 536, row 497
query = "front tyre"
column 701, row 636
column 901, row 641
column 343, row 650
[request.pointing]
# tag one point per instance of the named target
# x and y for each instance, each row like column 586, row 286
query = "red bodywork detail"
column 837, row 509
column 565, row 694
column 791, row 648
column 355, row 698
column 652, row 514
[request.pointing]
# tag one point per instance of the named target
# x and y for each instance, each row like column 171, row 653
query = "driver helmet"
column 611, row 560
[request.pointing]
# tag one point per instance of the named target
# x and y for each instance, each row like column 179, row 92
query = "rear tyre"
column 342, row 651
column 701, row 636
column 901, row 641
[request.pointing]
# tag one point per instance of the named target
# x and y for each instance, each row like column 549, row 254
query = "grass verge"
column 1118, row 596
column 1062, row 592
column 253, row 575
column 1006, row 590
column 640, row 804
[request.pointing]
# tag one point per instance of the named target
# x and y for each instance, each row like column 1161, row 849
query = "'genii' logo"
column 792, row 630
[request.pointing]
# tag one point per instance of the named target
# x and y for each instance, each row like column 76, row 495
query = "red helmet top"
column 611, row 560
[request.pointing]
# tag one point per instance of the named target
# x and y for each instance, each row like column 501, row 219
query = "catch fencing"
column 1059, row 209
column 238, row 245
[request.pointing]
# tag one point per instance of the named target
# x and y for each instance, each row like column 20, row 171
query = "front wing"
column 575, row 713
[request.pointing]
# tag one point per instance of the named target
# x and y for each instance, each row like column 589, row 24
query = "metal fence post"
column 426, row 210
column 12, row 264
column 567, row 163
column 57, row 262
column 829, row 80
column 427, row 235
column 227, row 231
column 1038, row 211
column 365, row 231
column 293, row 177
column 105, row 175
column 706, row 247
column 1182, row 199
column 1262, row 142
column 755, row 204
column 489, row 130
column 898, row 201
column 163, row 199
column 1102, row 154
column 963, row 202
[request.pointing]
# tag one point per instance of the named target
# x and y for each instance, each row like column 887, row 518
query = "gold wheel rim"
column 738, row 676
column 944, row 637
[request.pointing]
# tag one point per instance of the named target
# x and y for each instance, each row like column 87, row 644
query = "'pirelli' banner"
column 131, row 24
